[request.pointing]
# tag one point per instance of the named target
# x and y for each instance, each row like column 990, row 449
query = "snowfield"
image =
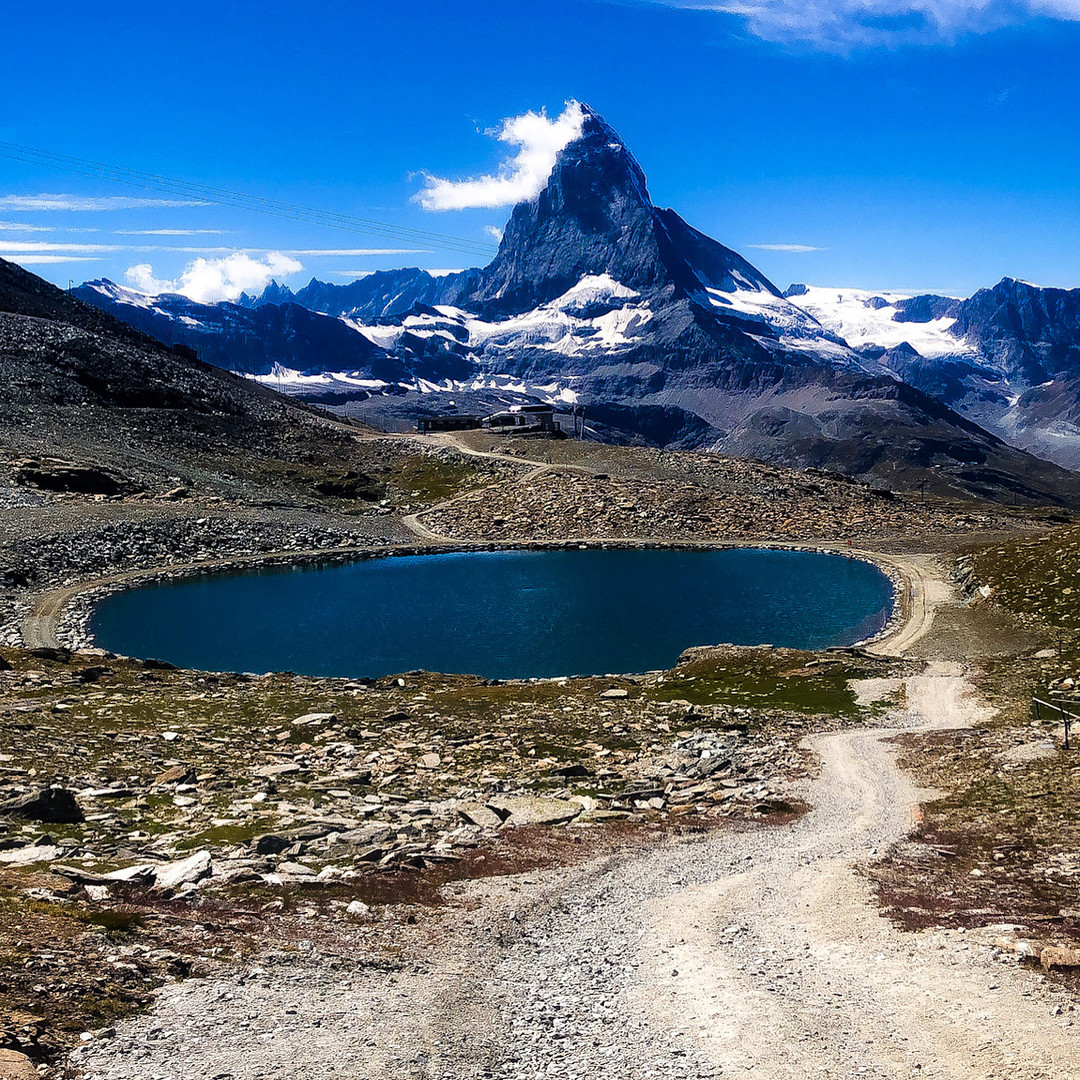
column 862, row 317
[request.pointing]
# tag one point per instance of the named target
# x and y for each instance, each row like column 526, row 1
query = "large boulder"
column 53, row 804
column 16, row 1066
column 534, row 809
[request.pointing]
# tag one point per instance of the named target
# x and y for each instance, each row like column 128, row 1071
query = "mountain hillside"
column 90, row 403
column 1007, row 357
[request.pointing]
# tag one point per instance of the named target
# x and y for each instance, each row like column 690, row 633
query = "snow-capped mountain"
column 597, row 295
column 1007, row 357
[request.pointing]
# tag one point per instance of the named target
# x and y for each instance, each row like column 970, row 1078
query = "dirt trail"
column 736, row 953
column 413, row 522
column 821, row 984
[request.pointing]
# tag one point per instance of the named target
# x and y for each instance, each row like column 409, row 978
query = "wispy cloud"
column 345, row 253
column 494, row 232
column 28, row 246
column 91, row 203
column 24, row 226
column 791, row 249
column 169, row 232
column 843, row 25
column 522, row 176
column 40, row 246
column 210, row 280
column 46, row 260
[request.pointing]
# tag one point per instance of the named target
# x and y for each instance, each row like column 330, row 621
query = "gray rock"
column 187, row 871
column 535, row 810
column 27, row 856
column 55, row 805
column 478, row 814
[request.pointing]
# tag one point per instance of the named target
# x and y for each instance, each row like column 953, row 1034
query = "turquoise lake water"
column 501, row 614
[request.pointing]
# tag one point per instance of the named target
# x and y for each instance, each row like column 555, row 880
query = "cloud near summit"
column 843, row 25
column 521, row 176
column 210, row 280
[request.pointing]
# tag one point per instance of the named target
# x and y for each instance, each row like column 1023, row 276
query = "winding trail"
column 413, row 522
column 737, row 953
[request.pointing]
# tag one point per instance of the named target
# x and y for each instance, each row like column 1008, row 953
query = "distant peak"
column 1015, row 282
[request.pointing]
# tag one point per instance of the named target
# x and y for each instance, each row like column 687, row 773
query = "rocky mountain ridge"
column 599, row 297
column 90, row 404
column 1007, row 357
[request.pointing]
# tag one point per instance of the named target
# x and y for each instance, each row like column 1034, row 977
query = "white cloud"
column 791, row 249
column 210, row 280
column 46, row 260
column 494, row 232
column 23, row 226
column 30, row 246
column 90, row 202
column 521, row 177
column 842, row 25
column 344, row 253
column 169, row 232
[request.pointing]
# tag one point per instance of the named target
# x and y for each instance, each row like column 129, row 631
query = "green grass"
column 762, row 680
column 432, row 479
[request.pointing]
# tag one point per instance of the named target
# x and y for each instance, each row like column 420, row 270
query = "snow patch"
column 862, row 317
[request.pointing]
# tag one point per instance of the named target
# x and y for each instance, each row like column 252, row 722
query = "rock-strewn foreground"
column 354, row 836
column 301, row 806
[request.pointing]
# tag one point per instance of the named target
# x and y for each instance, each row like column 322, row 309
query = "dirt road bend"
column 754, row 953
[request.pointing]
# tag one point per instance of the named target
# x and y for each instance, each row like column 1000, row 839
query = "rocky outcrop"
column 52, row 804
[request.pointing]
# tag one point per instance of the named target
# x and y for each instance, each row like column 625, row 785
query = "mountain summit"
column 595, row 217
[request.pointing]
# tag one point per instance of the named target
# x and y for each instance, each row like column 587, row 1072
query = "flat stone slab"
column 476, row 813
column 27, row 856
column 535, row 810
column 1031, row 751
column 184, row 872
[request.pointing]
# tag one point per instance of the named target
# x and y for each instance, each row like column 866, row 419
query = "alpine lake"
column 507, row 614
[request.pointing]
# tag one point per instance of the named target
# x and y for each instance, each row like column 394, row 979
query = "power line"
column 242, row 200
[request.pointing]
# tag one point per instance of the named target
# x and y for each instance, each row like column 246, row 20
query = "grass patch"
column 765, row 679
column 432, row 479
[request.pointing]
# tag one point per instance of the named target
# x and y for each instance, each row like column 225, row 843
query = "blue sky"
column 932, row 145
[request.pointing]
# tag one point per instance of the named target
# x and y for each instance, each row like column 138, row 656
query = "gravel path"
column 734, row 953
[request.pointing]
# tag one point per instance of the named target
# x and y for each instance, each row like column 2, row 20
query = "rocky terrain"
column 156, row 823
column 138, row 802
column 90, row 406
column 713, row 499
column 704, row 955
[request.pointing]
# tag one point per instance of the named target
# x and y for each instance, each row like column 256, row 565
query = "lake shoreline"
column 61, row 618
column 517, row 612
